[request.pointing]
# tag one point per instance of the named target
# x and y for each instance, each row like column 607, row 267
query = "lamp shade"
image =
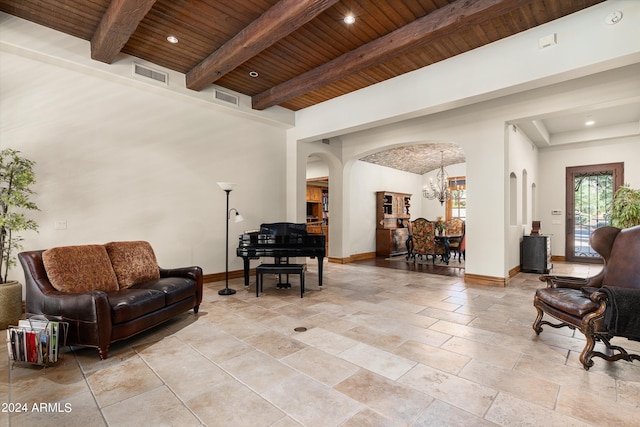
column 227, row 186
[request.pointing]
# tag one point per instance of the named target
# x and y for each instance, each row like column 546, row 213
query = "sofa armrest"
column 91, row 306
column 193, row 272
column 88, row 313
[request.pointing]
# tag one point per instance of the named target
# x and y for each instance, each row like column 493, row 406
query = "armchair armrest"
column 573, row 282
column 565, row 281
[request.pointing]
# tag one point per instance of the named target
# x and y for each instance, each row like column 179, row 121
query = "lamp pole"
column 227, row 290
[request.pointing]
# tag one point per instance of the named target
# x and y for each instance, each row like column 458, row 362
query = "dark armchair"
column 601, row 306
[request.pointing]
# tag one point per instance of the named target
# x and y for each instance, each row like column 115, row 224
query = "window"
column 457, row 204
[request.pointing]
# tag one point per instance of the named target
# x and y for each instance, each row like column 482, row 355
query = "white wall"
column 553, row 164
column 523, row 163
column 119, row 162
column 366, row 180
column 317, row 168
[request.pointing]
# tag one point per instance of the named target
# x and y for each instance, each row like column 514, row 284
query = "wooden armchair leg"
column 587, row 352
column 537, row 327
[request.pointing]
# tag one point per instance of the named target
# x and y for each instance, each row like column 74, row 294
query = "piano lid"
column 284, row 229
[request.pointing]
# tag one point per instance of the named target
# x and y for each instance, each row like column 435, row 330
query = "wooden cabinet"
column 318, row 210
column 392, row 222
column 314, row 194
column 535, row 254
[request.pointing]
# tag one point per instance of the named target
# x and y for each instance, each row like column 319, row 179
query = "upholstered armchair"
column 602, row 306
column 423, row 240
column 455, row 227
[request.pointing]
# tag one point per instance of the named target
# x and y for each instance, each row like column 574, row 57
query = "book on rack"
column 34, row 341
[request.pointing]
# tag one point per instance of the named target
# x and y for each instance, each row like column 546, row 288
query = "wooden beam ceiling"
column 443, row 21
column 116, row 27
column 302, row 49
column 276, row 23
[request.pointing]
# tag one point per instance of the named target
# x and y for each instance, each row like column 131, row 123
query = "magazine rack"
column 37, row 341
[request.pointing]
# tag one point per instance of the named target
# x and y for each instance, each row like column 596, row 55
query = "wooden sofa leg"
column 195, row 309
column 103, row 352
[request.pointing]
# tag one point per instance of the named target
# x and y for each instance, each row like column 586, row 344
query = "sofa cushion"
column 174, row 288
column 134, row 262
column 129, row 304
column 77, row 269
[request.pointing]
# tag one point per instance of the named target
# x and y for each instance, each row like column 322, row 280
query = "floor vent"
column 226, row 97
column 150, row 73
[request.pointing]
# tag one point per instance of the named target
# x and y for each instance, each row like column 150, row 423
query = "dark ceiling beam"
column 276, row 23
column 441, row 22
column 116, row 26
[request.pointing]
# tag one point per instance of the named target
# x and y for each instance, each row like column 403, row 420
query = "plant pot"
column 10, row 303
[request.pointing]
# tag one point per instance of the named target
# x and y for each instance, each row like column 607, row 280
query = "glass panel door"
column 589, row 197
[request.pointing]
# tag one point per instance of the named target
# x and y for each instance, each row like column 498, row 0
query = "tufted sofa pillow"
column 77, row 269
column 133, row 262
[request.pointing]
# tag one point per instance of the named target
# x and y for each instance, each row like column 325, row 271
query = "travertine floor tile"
column 459, row 392
column 395, row 401
column 311, row 403
column 383, row 347
column 379, row 361
column 495, row 355
column 323, row 367
column 527, row 387
column 508, row 410
column 442, row 414
column 157, row 407
column 120, row 382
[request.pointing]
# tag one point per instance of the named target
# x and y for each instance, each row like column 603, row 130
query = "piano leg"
column 245, row 261
column 320, row 258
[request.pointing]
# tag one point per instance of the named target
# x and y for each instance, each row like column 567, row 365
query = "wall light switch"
column 556, row 212
column 556, row 222
column 61, row 224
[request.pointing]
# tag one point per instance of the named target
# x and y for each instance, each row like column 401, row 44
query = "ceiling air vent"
column 226, row 97
column 150, row 73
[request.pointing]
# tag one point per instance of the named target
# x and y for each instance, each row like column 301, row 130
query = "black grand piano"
column 281, row 240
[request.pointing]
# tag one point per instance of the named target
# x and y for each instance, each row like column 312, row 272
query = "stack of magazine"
column 36, row 341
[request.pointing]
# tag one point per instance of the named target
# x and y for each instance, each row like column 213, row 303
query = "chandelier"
column 440, row 190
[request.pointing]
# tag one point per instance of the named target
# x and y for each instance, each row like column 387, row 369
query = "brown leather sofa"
column 107, row 293
column 601, row 306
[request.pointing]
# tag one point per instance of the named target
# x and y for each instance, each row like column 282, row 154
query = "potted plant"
column 626, row 207
column 16, row 178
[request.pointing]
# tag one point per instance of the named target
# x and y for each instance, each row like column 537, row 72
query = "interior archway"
column 404, row 168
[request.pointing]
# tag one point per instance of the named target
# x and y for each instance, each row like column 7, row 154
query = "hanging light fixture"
column 440, row 190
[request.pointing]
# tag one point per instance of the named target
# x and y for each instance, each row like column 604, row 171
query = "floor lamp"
column 228, row 187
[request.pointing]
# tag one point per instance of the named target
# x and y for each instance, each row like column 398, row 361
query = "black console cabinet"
column 535, row 254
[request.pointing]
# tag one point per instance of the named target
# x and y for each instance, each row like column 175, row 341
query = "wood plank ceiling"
column 302, row 50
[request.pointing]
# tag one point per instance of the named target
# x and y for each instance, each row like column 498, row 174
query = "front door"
column 589, row 191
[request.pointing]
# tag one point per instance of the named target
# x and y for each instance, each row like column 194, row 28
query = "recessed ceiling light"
column 349, row 19
column 172, row 39
column 253, row 74
column 590, row 122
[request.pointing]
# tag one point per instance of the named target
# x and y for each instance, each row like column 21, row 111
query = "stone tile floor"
column 383, row 347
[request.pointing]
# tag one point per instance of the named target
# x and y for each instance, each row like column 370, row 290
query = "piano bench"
column 280, row 269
